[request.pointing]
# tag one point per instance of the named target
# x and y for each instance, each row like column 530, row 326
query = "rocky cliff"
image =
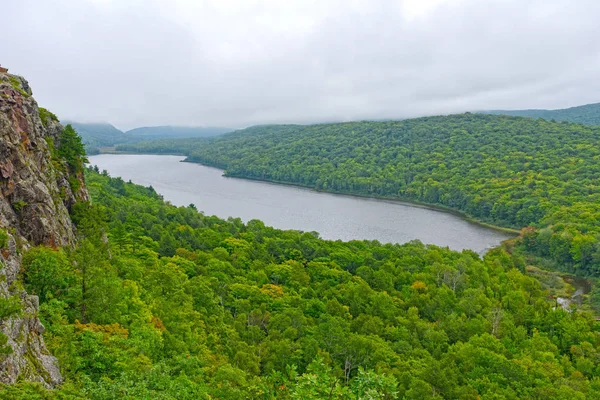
column 36, row 193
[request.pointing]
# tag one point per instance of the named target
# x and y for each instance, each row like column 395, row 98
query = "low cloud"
column 238, row 63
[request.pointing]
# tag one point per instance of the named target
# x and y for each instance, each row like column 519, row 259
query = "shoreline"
column 391, row 199
column 407, row 202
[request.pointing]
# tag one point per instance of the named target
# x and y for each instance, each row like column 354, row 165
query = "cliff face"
column 36, row 193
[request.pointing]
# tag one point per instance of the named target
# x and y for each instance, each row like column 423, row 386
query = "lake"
column 287, row 207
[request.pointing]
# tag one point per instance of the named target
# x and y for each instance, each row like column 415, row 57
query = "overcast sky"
column 236, row 63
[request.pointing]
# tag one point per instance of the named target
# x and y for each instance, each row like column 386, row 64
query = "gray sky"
column 242, row 62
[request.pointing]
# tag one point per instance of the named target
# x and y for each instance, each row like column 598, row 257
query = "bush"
column 46, row 115
column 9, row 306
column 47, row 272
column 17, row 86
column 3, row 239
column 18, row 205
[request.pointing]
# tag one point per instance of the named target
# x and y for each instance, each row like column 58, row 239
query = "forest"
column 96, row 136
column 522, row 173
column 180, row 305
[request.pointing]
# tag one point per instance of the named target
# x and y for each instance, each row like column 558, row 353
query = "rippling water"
column 286, row 207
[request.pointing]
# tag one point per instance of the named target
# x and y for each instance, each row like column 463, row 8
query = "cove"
column 333, row 216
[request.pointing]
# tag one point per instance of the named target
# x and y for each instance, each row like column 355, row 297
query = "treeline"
column 179, row 305
column 509, row 171
column 163, row 146
column 588, row 114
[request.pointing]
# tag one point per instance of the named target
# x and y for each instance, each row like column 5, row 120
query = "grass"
column 18, row 205
column 16, row 84
column 3, row 239
column 46, row 115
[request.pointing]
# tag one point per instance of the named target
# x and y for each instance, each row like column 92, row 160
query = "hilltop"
column 176, row 132
column 509, row 171
column 98, row 135
column 588, row 114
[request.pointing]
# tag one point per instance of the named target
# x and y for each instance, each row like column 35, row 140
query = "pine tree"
column 72, row 149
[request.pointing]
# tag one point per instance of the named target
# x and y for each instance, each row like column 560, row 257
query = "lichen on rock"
column 35, row 199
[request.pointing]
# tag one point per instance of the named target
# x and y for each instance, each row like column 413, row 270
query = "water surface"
column 287, row 207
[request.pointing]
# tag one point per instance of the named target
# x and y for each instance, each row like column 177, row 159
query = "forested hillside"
column 164, row 146
column 509, row 171
column 588, row 114
column 95, row 136
column 178, row 305
column 154, row 132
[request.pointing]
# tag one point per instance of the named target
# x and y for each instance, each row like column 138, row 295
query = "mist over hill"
column 98, row 135
column 168, row 131
column 588, row 114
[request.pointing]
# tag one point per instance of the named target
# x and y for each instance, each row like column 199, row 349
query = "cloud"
column 238, row 63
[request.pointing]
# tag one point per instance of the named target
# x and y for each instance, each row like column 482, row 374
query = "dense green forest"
column 588, row 114
column 509, row 171
column 179, row 305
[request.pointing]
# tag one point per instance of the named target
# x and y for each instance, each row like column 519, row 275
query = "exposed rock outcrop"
column 36, row 193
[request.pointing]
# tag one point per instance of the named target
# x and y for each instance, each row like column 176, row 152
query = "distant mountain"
column 588, row 114
column 173, row 132
column 98, row 135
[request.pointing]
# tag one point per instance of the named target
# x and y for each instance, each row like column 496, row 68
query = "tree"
column 71, row 149
column 48, row 273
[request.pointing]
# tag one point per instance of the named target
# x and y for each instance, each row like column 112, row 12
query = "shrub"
column 18, row 205
column 17, row 86
column 46, row 115
column 3, row 239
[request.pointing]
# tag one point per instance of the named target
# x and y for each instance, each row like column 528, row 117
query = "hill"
column 180, row 305
column 588, row 114
column 138, row 299
column 509, row 171
column 156, row 132
column 164, row 146
column 97, row 135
